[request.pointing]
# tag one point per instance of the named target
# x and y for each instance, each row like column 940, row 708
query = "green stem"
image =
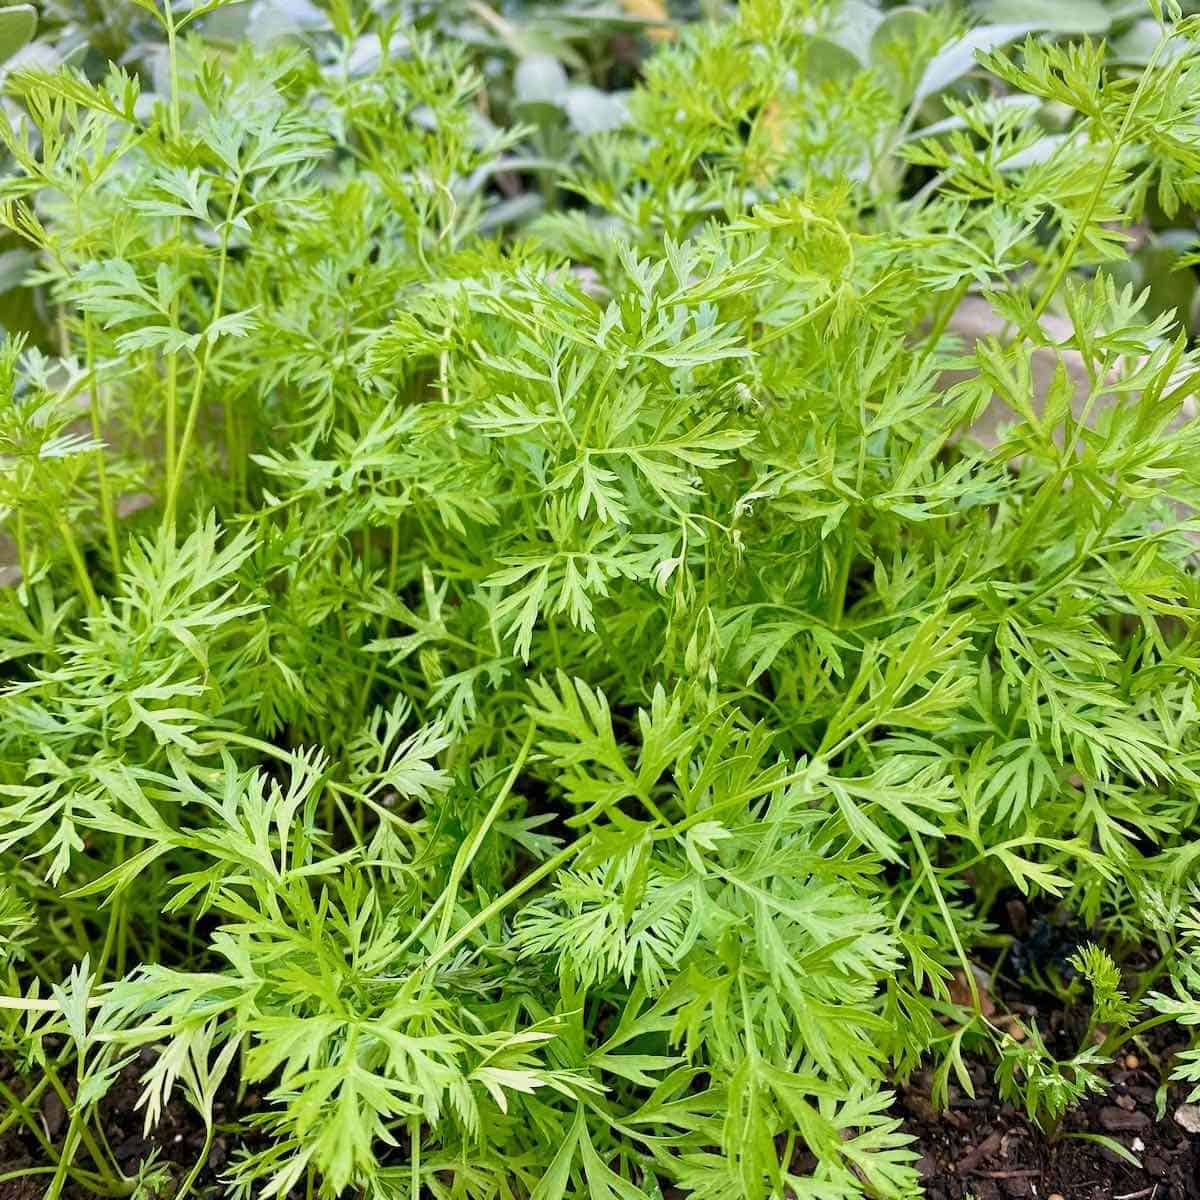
column 393, row 567
column 414, row 1134
column 173, row 66
column 773, row 335
column 19, row 1109
column 172, row 403
column 106, row 500
column 466, row 854
column 81, row 572
column 189, row 425
column 837, row 594
column 943, row 319
column 79, row 1127
column 86, row 1178
column 172, row 397
column 968, row 970
column 116, row 917
column 1148, row 979
column 201, row 367
column 22, row 553
column 1083, row 224
column 186, row 1187
column 502, row 902
column 233, row 454
column 1119, row 1037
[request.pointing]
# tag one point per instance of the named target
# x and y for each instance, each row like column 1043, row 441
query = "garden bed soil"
column 979, row 1149
column 984, row 1149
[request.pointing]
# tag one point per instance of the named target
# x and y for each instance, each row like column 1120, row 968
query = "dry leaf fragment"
column 960, row 992
column 651, row 11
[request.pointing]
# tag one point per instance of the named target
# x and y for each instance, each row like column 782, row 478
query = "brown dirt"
column 979, row 1149
column 175, row 1143
column 984, row 1149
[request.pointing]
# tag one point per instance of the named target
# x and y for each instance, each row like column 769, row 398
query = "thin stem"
column 81, row 572
column 171, row 403
column 968, row 970
column 233, row 454
column 837, row 594
column 189, row 425
column 202, row 367
column 893, row 143
column 19, row 1108
column 466, row 854
column 1084, row 222
column 1149, row 978
column 186, row 1186
column 173, row 65
column 393, row 568
column 22, row 552
column 106, row 499
column 799, row 322
column 89, row 1180
column 253, row 743
column 116, row 917
column 172, row 396
column 414, row 1134
column 79, row 1123
column 502, row 902
column 1118, row 1038
column 943, row 319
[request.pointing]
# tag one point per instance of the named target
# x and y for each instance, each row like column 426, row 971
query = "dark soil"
column 172, row 1146
column 983, row 1148
column 979, row 1149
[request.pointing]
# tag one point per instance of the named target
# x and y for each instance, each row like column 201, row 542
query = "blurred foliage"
column 562, row 72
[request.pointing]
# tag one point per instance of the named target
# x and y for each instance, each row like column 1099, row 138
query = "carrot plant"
column 550, row 698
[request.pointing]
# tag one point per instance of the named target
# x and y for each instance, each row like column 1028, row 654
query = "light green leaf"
column 553, row 1184
column 827, row 59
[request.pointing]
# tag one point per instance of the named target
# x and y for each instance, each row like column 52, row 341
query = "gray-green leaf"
column 958, row 58
column 1061, row 16
column 18, row 23
column 540, row 79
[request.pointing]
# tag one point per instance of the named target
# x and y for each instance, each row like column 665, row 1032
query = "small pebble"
column 1132, row 1062
column 1056, row 1196
column 1117, row 1120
